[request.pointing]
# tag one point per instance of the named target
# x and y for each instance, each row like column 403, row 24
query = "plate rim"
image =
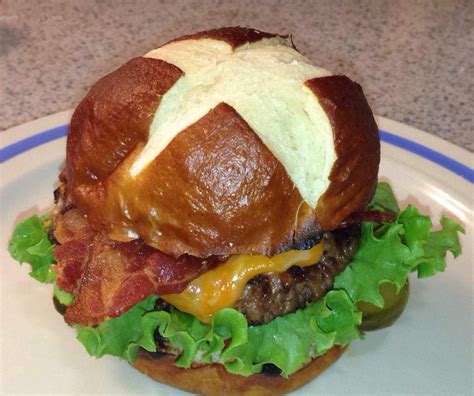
column 384, row 124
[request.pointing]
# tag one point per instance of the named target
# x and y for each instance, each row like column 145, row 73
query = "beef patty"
column 276, row 294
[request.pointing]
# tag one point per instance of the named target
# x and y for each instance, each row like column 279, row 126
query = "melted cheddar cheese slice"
column 222, row 286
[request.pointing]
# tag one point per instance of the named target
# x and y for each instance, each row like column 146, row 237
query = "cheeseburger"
column 218, row 221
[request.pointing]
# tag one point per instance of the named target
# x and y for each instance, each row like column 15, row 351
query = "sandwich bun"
column 194, row 162
column 214, row 379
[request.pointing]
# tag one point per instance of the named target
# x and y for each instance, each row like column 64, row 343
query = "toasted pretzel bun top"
column 223, row 142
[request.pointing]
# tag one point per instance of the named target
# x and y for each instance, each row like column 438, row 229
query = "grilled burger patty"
column 276, row 294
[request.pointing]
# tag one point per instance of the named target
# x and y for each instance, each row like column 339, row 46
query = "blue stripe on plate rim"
column 446, row 162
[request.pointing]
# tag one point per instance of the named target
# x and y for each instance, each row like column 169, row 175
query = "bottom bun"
column 214, row 379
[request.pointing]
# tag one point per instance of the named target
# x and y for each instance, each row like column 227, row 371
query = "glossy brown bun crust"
column 216, row 189
column 354, row 175
column 214, row 379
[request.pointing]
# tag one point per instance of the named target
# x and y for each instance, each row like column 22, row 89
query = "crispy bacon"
column 71, row 225
column 71, row 258
column 109, row 277
column 375, row 216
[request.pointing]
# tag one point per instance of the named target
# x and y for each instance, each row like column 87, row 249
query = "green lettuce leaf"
column 379, row 259
column 384, row 199
column 63, row 297
column 30, row 244
column 121, row 336
column 429, row 248
column 389, row 252
column 288, row 341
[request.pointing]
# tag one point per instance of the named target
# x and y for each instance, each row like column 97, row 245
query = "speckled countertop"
column 415, row 59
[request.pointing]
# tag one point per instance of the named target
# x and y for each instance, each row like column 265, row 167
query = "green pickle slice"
column 374, row 318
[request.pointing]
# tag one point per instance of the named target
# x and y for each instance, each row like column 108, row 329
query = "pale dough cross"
column 264, row 83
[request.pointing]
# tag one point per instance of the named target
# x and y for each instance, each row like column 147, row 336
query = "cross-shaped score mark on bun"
column 264, row 82
column 224, row 142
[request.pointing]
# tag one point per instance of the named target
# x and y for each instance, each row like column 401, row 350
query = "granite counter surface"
column 414, row 59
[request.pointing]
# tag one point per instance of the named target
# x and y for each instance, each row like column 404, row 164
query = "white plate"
column 429, row 350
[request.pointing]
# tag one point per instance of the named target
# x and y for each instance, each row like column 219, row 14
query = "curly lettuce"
column 120, row 336
column 288, row 342
column 63, row 297
column 390, row 252
column 30, row 244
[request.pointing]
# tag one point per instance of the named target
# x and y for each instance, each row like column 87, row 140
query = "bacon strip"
column 109, row 277
column 375, row 216
column 71, row 258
